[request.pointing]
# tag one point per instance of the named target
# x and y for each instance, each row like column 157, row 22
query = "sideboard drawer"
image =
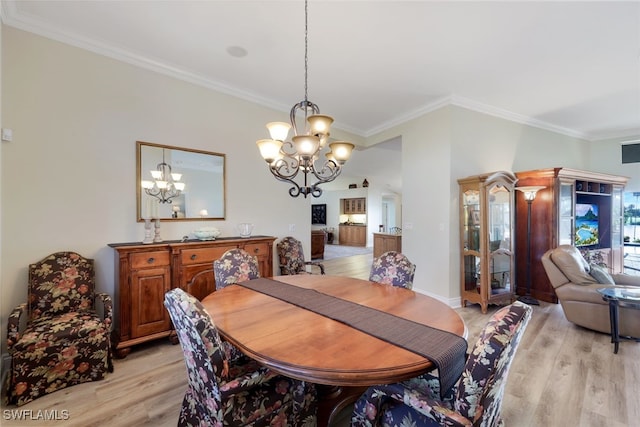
column 149, row 259
column 201, row 255
column 257, row 249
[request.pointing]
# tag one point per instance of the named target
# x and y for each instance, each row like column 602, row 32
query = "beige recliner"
column 569, row 274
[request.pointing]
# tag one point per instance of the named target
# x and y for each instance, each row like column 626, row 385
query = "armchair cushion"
column 600, row 275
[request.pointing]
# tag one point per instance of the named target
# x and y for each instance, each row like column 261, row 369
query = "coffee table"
column 619, row 297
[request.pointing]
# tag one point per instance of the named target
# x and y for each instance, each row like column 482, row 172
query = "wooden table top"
column 304, row 345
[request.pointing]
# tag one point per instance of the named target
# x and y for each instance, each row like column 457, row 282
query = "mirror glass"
column 188, row 184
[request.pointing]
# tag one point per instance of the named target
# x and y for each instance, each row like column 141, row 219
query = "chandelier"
column 302, row 154
column 165, row 185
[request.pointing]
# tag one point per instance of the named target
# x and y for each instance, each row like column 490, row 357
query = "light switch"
column 7, row 134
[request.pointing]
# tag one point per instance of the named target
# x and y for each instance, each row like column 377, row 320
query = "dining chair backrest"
column 393, row 268
column 291, row 257
column 200, row 344
column 480, row 389
column 62, row 282
column 235, row 266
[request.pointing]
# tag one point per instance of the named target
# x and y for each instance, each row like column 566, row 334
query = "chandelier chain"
column 306, row 57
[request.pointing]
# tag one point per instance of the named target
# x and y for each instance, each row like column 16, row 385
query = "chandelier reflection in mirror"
column 165, row 185
column 302, row 154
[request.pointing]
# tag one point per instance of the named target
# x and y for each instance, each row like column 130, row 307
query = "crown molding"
column 11, row 17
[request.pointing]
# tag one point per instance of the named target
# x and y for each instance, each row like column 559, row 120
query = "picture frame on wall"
column 319, row 214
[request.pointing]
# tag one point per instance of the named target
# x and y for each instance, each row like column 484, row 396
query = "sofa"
column 575, row 282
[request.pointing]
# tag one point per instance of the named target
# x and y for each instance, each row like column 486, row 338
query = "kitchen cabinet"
column 356, row 205
column 559, row 217
column 144, row 273
column 352, row 235
column 385, row 242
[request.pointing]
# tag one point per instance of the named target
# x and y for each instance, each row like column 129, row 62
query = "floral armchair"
column 393, row 268
column 223, row 391
column 291, row 258
column 65, row 341
column 234, row 266
column 476, row 398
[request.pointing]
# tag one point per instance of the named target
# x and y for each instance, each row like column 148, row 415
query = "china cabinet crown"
column 486, row 238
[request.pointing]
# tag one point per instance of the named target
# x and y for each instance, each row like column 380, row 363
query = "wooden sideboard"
column 385, row 242
column 144, row 273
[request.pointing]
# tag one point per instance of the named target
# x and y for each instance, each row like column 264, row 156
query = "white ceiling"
column 571, row 67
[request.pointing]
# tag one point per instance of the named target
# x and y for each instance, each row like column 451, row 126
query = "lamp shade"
column 319, row 124
column 278, row 130
column 269, row 149
column 530, row 191
column 306, row 145
column 341, row 151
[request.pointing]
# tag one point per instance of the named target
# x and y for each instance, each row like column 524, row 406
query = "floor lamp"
column 529, row 196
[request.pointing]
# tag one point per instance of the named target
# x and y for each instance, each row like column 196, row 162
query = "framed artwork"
column 319, row 214
column 475, row 217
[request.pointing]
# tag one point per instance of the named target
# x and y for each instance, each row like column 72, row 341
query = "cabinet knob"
column 194, row 256
column 151, row 260
column 256, row 250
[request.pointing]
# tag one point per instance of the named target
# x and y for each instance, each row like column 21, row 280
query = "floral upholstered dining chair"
column 224, row 391
column 65, row 341
column 291, row 258
column 234, row 266
column 476, row 398
column 393, row 268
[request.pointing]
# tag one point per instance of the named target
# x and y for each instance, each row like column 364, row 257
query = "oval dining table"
column 302, row 344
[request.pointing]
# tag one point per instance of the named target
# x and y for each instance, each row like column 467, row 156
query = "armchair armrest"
column 626, row 279
column 316, row 264
column 13, row 326
column 368, row 407
column 107, row 303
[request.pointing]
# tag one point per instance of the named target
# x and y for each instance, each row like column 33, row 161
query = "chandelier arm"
column 295, row 190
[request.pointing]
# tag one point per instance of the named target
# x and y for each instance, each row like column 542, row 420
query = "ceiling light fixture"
column 165, row 185
column 286, row 159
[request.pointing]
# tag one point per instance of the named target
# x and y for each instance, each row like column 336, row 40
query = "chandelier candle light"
column 165, row 185
column 302, row 154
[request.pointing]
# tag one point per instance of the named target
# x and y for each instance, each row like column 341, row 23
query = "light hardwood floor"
column 562, row 376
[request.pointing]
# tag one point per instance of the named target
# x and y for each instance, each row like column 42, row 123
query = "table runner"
column 447, row 351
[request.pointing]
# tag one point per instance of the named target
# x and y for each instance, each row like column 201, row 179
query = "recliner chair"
column 575, row 288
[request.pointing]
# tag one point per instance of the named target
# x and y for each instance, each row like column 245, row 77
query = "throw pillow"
column 601, row 275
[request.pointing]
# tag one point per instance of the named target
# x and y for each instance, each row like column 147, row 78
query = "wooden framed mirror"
column 194, row 180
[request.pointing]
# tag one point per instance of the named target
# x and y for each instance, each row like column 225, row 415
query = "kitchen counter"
column 385, row 242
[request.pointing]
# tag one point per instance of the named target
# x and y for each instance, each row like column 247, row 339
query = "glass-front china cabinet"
column 486, row 238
